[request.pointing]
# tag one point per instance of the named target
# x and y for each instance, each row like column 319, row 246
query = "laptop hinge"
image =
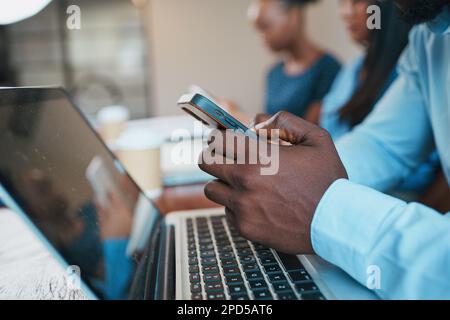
column 165, row 279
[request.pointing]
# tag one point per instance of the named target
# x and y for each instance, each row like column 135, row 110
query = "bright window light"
column 16, row 10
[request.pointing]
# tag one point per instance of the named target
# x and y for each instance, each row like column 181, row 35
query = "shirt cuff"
column 345, row 225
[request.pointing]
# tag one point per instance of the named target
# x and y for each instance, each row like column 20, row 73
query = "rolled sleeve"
column 356, row 227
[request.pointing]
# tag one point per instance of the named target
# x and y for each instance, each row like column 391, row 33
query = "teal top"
column 296, row 93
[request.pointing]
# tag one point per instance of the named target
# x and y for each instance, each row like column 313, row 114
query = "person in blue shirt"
column 327, row 199
column 306, row 72
column 363, row 82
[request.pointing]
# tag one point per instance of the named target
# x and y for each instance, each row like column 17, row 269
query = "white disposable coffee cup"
column 111, row 121
column 140, row 152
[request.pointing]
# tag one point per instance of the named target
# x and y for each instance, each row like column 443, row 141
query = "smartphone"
column 212, row 115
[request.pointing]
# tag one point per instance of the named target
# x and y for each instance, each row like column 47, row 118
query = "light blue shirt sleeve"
column 357, row 228
column 395, row 138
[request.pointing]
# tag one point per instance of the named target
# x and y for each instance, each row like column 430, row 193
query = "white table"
column 27, row 269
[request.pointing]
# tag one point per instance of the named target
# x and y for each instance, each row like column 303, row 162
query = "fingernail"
column 260, row 125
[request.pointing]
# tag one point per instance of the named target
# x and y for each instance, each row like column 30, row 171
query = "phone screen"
column 212, row 115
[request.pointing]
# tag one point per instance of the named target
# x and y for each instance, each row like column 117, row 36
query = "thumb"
column 293, row 129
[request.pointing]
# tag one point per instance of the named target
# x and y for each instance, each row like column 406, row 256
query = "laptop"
column 61, row 178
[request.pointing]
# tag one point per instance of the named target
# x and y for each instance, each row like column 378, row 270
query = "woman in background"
column 306, row 72
column 362, row 83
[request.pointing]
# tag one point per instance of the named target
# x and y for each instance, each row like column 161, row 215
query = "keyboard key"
column 196, row 288
column 212, row 278
column 274, row 268
column 268, row 261
column 211, row 270
column 259, row 247
column 257, row 284
column 221, row 237
column 281, row 286
column 312, row 296
column 247, row 259
column 229, row 262
column 225, row 249
column 306, row 287
column 215, row 296
column 263, row 295
column 193, row 269
column 205, row 241
column 214, row 286
column 231, row 271
column 242, row 245
column 209, row 262
column 240, row 296
column 245, row 252
column 264, row 253
column 275, row 277
column 202, row 233
column 223, row 243
column 236, row 279
column 287, row 295
column 226, row 255
column 237, row 289
column 299, row 276
column 193, row 261
column 250, row 267
column 206, row 247
column 255, row 275
column 194, row 277
column 208, row 254
column 290, row 262
column 192, row 253
column 197, row 296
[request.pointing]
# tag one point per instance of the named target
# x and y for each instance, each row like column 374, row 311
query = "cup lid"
column 113, row 114
column 139, row 139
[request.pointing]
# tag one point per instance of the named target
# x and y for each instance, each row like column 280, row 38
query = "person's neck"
column 302, row 55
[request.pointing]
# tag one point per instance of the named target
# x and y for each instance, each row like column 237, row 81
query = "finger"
column 219, row 192
column 214, row 165
column 292, row 129
column 231, row 215
column 261, row 117
column 233, row 145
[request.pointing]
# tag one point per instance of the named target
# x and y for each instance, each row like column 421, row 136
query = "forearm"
column 357, row 228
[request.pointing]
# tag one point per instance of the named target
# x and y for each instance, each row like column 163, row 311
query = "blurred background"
column 143, row 54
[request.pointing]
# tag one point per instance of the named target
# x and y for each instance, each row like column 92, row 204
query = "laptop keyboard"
column 225, row 266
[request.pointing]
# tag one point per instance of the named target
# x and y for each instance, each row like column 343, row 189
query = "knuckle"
column 323, row 134
column 282, row 115
column 243, row 229
column 238, row 205
column 242, row 180
column 260, row 117
column 209, row 189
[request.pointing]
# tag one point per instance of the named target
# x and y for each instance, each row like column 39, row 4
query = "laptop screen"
column 72, row 188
